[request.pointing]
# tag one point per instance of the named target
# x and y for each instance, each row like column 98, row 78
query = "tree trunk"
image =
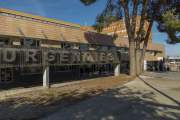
column 138, row 71
column 132, row 57
column 148, row 32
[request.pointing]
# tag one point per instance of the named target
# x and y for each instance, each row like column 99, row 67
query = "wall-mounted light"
column 62, row 35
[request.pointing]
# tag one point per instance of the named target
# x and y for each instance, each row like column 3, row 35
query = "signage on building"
column 16, row 68
column 55, row 56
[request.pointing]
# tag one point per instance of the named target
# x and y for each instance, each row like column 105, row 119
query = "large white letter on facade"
column 5, row 55
column 50, row 57
column 64, row 56
column 32, row 55
column 76, row 56
column 102, row 57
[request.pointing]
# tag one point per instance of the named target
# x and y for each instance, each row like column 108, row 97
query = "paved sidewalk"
column 152, row 96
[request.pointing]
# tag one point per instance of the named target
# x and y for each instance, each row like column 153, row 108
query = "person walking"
column 81, row 71
column 161, row 65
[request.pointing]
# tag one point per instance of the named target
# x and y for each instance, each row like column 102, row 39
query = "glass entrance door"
column 6, row 75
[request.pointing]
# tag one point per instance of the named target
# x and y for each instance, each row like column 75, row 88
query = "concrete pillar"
column 145, row 65
column 117, row 69
column 46, row 77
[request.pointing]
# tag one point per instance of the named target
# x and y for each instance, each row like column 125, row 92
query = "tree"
column 119, row 8
column 168, row 20
column 172, row 22
column 168, row 58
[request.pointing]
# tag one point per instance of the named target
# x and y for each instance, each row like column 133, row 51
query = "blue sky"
column 75, row 12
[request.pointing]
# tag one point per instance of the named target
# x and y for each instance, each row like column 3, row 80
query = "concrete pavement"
column 153, row 95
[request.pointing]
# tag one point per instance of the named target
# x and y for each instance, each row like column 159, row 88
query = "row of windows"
column 38, row 20
column 39, row 69
column 116, row 26
column 30, row 42
column 117, row 32
column 121, row 31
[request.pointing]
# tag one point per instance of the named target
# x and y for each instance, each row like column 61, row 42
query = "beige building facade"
column 21, row 29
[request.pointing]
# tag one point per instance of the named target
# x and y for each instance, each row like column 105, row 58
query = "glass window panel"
column 35, row 20
column 38, row 43
column 1, row 42
column 115, row 49
column 17, row 16
column 29, row 19
column 104, row 48
column 123, row 50
column 50, row 23
column 83, row 46
column 40, row 21
column 45, row 22
column 11, row 15
column 5, row 14
column 24, row 18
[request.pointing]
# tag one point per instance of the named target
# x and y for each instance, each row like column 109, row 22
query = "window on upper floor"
column 17, row 16
column 66, row 45
column 114, row 26
column 136, row 21
column 123, row 50
column 31, row 42
column 136, row 28
column 141, row 51
column 29, row 19
column 11, row 15
column 119, row 25
column 151, row 52
column 83, row 47
column 131, row 22
column 45, row 22
column 114, row 48
column 104, row 48
column 144, row 26
column 122, row 31
column 110, row 27
column 4, row 14
column 24, row 18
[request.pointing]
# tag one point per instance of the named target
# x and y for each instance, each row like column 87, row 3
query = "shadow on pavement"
column 126, row 102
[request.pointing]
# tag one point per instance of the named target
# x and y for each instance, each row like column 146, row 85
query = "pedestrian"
column 151, row 68
column 156, row 68
column 81, row 71
column 161, row 65
column 99, row 70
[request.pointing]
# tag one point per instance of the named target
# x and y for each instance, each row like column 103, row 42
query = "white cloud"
column 38, row 8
